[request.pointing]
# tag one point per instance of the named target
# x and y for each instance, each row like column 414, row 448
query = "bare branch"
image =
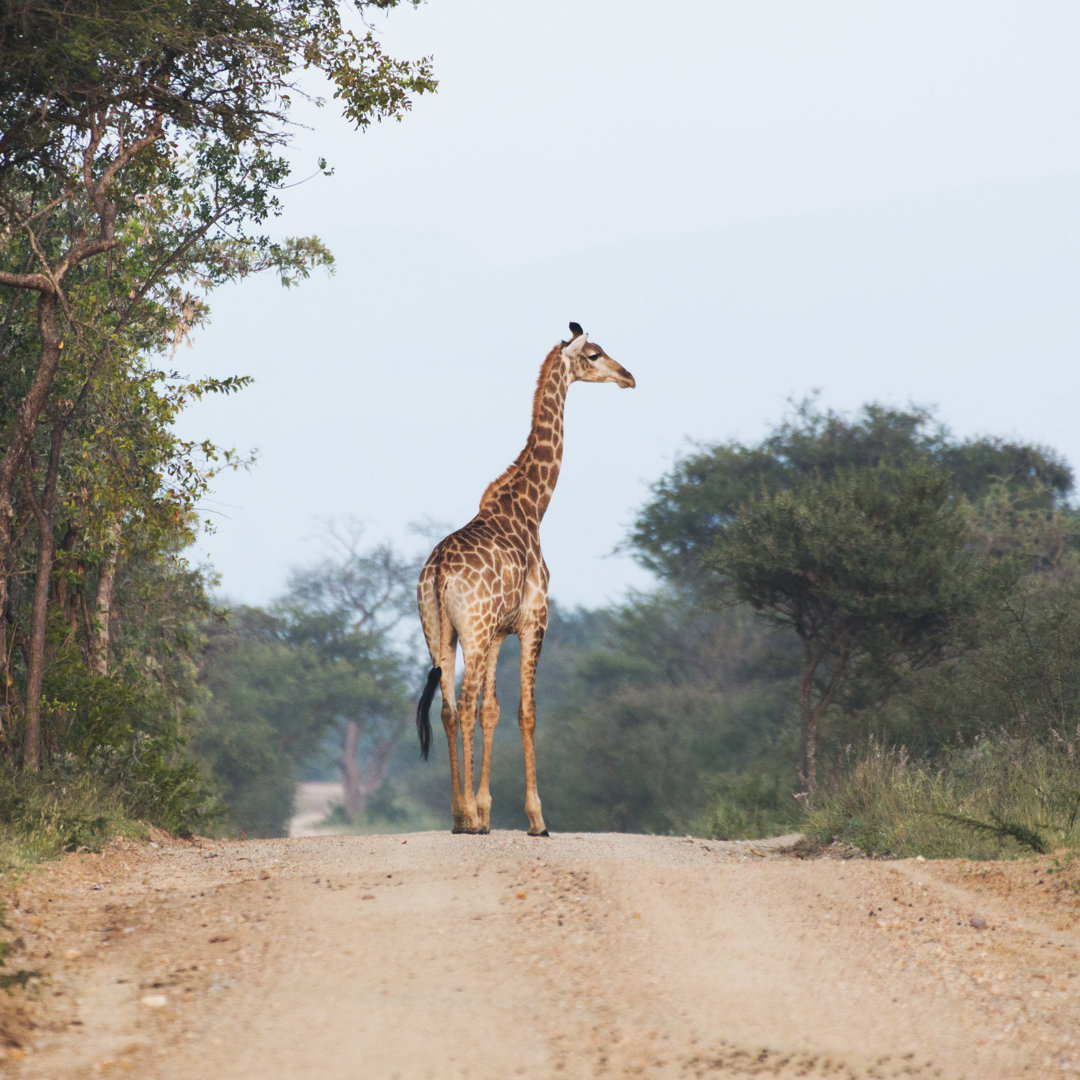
column 38, row 282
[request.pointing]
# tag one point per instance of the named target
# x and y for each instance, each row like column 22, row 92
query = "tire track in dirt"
column 442, row 956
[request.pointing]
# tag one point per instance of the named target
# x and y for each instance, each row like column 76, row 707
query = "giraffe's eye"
column 593, row 358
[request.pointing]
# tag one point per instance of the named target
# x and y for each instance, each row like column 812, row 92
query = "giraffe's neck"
column 524, row 490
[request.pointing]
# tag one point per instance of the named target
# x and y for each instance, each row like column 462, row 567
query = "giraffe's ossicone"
column 489, row 580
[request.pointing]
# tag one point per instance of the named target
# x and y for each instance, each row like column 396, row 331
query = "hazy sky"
column 742, row 202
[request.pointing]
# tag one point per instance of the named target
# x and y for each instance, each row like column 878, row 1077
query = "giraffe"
column 489, row 580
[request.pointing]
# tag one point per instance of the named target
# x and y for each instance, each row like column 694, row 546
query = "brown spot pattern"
column 488, row 580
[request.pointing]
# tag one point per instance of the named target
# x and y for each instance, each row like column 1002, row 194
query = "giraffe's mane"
column 538, row 398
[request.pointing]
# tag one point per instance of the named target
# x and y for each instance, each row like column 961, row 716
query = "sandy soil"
column 439, row 956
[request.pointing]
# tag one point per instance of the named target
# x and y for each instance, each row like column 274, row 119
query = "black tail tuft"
column 423, row 723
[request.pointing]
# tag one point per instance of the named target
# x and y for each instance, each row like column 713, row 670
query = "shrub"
column 74, row 804
column 749, row 805
column 999, row 797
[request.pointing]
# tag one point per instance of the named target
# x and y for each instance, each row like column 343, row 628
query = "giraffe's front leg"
column 489, row 717
column 530, row 655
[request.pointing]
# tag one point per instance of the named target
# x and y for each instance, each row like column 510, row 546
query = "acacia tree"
column 867, row 538
column 697, row 497
column 870, row 568
column 139, row 160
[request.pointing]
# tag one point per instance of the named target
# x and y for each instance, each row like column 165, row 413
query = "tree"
column 262, row 715
column 859, row 536
column 348, row 609
column 705, row 488
column 870, row 569
column 139, row 162
column 324, row 659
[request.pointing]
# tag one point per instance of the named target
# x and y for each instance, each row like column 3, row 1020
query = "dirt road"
column 440, row 956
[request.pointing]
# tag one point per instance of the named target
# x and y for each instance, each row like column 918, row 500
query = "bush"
column 749, row 805
column 45, row 814
column 149, row 787
column 1000, row 797
column 74, row 804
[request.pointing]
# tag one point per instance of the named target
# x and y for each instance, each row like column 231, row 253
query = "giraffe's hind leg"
column 489, row 717
column 450, row 726
column 467, row 820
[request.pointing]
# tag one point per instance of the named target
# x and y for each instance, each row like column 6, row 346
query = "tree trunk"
column 7, row 688
column 360, row 782
column 811, row 711
column 65, row 598
column 356, row 795
column 16, row 451
column 35, row 673
column 39, row 610
column 808, row 724
column 99, row 631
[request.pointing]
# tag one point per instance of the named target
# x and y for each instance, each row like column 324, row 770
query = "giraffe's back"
column 488, row 580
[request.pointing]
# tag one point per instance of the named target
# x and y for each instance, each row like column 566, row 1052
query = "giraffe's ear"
column 578, row 338
column 574, row 346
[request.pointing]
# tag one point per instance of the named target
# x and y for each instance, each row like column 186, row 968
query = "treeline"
column 862, row 620
column 322, row 680
column 141, row 161
column 926, row 588
column 866, row 628
column 855, row 610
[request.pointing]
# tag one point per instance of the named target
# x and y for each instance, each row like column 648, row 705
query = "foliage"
column 78, row 803
column 114, row 755
column 1000, row 797
column 140, row 165
column 749, row 803
column 56, row 811
column 139, row 162
column 875, row 540
column 1024, row 676
column 260, row 719
column 699, row 496
column 323, row 662
column 639, row 708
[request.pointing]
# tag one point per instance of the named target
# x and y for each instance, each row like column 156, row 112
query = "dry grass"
column 999, row 799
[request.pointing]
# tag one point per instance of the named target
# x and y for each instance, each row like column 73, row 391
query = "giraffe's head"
column 589, row 363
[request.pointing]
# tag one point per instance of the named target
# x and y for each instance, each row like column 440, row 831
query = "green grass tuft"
column 749, row 805
column 72, row 805
column 999, row 798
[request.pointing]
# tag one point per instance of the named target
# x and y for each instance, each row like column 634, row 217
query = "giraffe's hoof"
column 467, row 830
column 544, row 833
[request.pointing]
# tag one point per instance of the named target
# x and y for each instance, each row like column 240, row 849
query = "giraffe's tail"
column 423, row 721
